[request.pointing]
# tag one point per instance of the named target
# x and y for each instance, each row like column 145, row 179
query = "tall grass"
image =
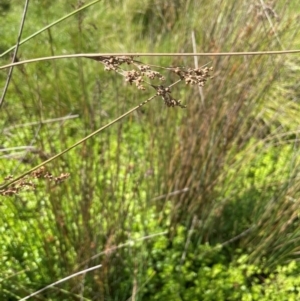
column 213, row 137
column 226, row 165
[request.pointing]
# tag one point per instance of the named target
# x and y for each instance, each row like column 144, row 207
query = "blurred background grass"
column 221, row 177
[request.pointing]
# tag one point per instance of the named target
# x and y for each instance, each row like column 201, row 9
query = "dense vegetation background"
column 187, row 204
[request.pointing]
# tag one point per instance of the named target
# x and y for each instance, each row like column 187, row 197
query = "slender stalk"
column 61, row 281
column 78, row 142
column 10, row 72
column 65, row 56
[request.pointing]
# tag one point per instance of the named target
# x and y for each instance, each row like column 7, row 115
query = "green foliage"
column 204, row 274
column 219, row 177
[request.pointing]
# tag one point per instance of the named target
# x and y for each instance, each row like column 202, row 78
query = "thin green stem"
column 77, row 143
